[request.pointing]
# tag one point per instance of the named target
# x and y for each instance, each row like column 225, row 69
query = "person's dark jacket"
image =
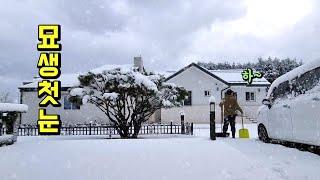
column 230, row 105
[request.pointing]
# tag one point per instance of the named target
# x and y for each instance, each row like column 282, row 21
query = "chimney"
column 137, row 63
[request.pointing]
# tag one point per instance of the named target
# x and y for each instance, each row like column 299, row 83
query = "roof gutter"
column 224, row 90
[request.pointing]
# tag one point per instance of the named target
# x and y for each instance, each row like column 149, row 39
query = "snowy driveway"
column 152, row 158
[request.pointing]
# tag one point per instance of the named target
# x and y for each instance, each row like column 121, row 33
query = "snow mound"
column 9, row 107
column 7, row 139
column 212, row 99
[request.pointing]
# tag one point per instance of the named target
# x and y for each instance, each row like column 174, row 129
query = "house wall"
column 250, row 108
column 85, row 114
column 197, row 81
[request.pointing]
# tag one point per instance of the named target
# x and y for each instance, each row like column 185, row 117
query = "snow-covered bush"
column 10, row 120
column 127, row 97
column 7, row 139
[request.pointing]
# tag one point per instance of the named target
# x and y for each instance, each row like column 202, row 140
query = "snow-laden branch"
column 127, row 96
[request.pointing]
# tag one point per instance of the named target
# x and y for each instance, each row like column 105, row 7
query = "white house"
column 69, row 113
column 200, row 82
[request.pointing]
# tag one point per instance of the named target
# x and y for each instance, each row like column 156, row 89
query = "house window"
column 250, row 96
column 206, row 93
column 70, row 105
column 188, row 100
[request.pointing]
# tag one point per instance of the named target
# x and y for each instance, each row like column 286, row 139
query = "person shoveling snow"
column 231, row 107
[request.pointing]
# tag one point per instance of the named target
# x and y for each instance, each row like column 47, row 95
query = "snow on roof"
column 294, row 73
column 166, row 74
column 71, row 80
column 234, row 76
column 124, row 67
column 67, row 80
column 9, row 107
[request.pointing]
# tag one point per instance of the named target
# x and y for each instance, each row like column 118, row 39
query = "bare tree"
column 4, row 97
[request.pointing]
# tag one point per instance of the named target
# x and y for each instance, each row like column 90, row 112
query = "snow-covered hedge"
column 7, row 139
column 9, row 107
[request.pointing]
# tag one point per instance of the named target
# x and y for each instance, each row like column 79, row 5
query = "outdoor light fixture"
column 212, row 118
column 182, row 121
column 212, row 106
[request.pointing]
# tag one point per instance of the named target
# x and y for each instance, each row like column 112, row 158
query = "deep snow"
column 10, row 107
column 154, row 157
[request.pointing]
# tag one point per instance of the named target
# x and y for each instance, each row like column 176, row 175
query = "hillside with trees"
column 272, row 68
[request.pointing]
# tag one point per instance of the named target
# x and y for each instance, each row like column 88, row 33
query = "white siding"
column 250, row 107
column 197, row 81
column 85, row 114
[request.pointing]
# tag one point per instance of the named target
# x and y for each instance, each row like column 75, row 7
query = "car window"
column 281, row 91
column 306, row 81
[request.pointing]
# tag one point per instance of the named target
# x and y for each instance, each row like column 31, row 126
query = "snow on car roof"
column 234, row 76
column 9, row 107
column 294, row 73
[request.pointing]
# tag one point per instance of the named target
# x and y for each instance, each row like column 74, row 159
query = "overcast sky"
column 168, row 33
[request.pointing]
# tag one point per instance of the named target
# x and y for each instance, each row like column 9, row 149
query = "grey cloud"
column 166, row 33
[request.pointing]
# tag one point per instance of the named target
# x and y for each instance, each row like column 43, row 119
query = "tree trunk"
column 123, row 131
column 137, row 128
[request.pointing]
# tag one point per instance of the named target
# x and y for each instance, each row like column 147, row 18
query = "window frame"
column 249, row 99
column 71, row 106
column 207, row 93
column 188, row 100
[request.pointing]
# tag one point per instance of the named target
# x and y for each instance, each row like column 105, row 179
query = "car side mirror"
column 267, row 103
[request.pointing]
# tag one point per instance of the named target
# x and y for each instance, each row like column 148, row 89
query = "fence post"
column 182, row 123
column 90, row 128
column 171, row 127
column 1, row 127
column 191, row 129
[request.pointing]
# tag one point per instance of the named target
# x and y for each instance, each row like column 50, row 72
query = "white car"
column 291, row 111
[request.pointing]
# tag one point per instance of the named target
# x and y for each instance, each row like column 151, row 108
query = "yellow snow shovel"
column 243, row 133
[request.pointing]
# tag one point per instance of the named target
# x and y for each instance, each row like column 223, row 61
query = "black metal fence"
column 104, row 129
column 2, row 131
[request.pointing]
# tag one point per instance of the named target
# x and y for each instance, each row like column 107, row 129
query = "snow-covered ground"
column 154, row 157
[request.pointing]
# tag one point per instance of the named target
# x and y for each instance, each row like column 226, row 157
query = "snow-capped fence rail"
column 104, row 129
